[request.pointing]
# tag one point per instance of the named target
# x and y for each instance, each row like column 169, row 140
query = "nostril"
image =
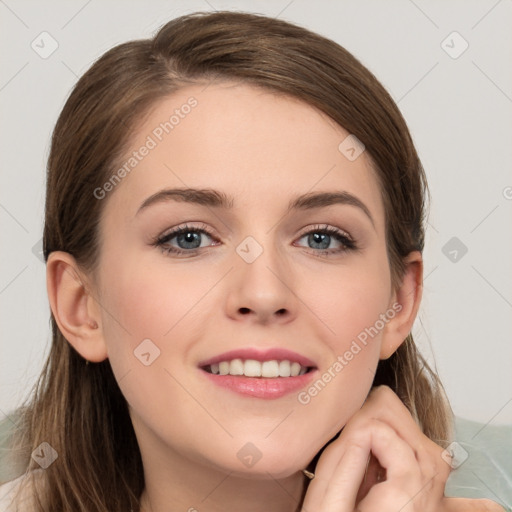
column 244, row 311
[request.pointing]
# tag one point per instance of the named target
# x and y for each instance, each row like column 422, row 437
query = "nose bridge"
column 261, row 258
column 261, row 275
column 259, row 235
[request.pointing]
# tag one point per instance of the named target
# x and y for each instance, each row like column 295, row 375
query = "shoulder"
column 8, row 491
column 15, row 495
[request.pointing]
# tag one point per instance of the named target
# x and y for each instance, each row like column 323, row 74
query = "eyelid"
column 171, row 233
column 326, row 227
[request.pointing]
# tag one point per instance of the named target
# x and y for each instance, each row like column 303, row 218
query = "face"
column 305, row 289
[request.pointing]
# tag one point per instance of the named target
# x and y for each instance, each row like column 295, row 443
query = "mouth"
column 269, row 374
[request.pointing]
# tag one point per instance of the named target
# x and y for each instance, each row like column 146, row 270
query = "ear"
column 74, row 308
column 405, row 302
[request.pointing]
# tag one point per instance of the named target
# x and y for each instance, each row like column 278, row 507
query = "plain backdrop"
column 446, row 63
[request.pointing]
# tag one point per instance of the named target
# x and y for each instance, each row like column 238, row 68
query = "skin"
column 262, row 150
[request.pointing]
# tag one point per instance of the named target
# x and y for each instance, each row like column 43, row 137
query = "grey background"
column 459, row 111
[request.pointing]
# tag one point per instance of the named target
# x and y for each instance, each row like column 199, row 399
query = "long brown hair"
column 79, row 409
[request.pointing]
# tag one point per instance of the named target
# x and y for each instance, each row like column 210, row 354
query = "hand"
column 382, row 462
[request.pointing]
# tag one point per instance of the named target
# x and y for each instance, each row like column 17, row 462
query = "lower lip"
column 261, row 387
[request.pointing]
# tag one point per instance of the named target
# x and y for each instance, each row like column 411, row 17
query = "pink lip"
column 261, row 387
column 279, row 354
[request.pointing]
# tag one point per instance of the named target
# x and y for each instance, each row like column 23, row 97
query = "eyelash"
column 343, row 238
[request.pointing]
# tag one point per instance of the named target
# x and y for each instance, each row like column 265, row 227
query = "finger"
column 336, row 491
column 398, row 458
column 393, row 453
column 342, row 488
column 374, row 473
column 404, row 487
column 402, row 448
column 383, row 404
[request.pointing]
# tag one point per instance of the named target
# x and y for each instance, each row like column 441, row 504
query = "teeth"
column 252, row 368
column 236, row 367
column 224, row 367
column 284, row 369
column 295, row 369
column 270, row 369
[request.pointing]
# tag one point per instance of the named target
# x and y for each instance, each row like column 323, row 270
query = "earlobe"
column 73, row 306
column 405, row 302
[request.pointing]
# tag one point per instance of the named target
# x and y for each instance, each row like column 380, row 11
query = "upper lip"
column 279, row 354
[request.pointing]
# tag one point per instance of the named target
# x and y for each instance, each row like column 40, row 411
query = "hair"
column 79, row 409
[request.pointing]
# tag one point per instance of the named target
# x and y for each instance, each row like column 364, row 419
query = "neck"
column 226, row 493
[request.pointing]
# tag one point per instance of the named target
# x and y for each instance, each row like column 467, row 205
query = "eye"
column 321, row 237
column 188, row 239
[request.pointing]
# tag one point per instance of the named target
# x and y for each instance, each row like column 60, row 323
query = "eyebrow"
column 216, row 199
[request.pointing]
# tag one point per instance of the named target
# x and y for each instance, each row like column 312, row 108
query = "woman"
column 233, row 236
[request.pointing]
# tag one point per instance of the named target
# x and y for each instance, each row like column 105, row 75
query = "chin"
column 267, row 472
column 268, row 462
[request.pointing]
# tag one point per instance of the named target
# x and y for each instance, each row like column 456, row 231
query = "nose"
column 261, row 291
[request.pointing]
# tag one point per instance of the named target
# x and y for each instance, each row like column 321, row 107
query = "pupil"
column 190, row 238
column 322, row 239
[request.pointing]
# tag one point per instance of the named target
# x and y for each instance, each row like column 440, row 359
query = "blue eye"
column 189, row 239
column 321, row 238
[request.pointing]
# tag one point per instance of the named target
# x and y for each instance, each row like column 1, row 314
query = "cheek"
column 141, row 303
column 148, row 329
column 142, row 314
column 354, row 311
column 152, row 317
column 350, row 301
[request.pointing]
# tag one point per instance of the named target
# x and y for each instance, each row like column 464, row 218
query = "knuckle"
column 382, row 390
column 362, row 429
column 380, row 398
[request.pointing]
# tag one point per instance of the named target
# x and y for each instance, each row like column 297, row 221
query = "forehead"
column 256, row 146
